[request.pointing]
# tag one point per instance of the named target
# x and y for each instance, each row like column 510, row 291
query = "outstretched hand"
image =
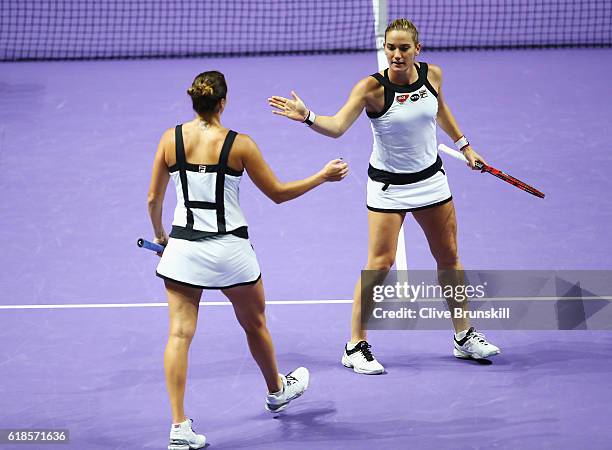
column 293, row 109
column 335, row 170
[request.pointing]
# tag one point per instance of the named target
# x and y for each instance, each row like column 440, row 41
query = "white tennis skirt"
column 432, row 191
column 217, row 262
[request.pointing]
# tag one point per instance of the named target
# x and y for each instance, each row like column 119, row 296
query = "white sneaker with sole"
column 361, row 360
column 182, row 437
column 294, row 385
column 474, row 345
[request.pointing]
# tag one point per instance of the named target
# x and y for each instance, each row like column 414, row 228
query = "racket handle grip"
column 143, row 243
column 458, row 155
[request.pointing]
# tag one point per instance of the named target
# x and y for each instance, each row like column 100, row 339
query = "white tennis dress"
column 405, row 172
column 209, row 244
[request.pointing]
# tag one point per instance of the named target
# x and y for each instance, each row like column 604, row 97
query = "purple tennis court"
column 83, row 319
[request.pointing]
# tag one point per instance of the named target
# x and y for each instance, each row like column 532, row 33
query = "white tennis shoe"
column 361, row 360
column 294, row 385
column 474, row 345
column 182, row 437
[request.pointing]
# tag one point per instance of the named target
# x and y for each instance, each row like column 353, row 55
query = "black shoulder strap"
column 181, row 162
column 378, row 77
column 423, row 70
column 389, row 94
column 220, row 185
column 227, row 146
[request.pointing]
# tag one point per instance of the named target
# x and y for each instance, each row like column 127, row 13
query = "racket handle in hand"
column 143, row 243
column 460, row 156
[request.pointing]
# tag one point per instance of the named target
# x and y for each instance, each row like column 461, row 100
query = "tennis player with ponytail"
column 209, row 247
column 404, row 103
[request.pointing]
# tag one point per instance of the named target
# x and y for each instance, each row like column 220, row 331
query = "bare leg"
column 440, row 227
column 382, row 244
column 183, row 305
column 249, row 306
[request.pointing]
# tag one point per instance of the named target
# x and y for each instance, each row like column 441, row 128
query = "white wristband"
column 310, row 118
column 461, row 142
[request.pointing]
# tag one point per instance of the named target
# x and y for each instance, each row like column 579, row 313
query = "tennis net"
column 102, row 29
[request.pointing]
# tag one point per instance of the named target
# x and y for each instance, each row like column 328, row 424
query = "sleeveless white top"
column 405, row 130
column 207, row 195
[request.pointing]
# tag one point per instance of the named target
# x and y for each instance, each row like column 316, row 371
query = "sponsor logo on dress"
column 414, row 97
column 202, row 168
column 401, row 98
column 423, row 93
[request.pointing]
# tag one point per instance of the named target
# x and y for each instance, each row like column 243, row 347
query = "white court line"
column 155, row 305
column 279, row 302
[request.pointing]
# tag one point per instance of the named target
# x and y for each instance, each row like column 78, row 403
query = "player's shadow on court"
column 304, row 424
column 318, row 429
column 552, row 358
column 420, row 362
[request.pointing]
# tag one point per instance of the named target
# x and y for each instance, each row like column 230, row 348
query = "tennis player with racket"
column 404, row 103
column 209, row 244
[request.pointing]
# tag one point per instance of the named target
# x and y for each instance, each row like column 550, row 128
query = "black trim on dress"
column 206, row 168
column 186, row 234
column 221, row 169
column 220, row 187
column 390, row 88
column 389, row 97
column 382, row 176
column 246, row 283
column 423, row 74
column 181, row 163
column 420, row 208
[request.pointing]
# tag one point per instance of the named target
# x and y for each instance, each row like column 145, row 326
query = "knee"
column 253, row 324
column 182, row 331
column 447, row 258
column 380, row 263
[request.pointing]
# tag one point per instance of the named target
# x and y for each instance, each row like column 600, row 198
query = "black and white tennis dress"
column 209, row 244
column 406, row 172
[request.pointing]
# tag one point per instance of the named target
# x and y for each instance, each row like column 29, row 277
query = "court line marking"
column 282, row 302
column 162, row 304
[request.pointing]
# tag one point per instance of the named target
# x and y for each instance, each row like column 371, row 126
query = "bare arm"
column 157, row 189
column 265, row 179
column 447, row 121
column 332, row 126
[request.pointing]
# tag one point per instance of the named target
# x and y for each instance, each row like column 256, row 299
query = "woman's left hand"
column 472, row 157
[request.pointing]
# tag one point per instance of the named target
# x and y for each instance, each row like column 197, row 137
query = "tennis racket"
column 493, row 171
column 143, row 243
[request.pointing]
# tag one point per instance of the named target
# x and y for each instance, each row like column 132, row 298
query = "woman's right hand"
column 162, row 240
column 293, row 109
column 335, row 170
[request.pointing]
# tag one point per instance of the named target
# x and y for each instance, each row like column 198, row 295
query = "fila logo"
column 202, row 169
column 401, row 98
